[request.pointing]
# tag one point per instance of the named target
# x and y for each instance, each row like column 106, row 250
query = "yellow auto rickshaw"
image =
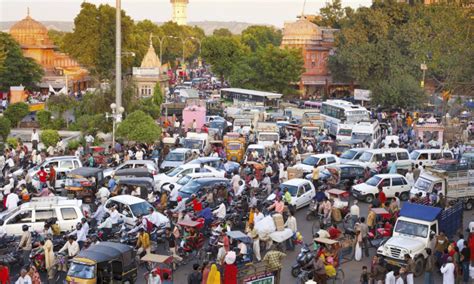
column 234, row 145
column 106, row 262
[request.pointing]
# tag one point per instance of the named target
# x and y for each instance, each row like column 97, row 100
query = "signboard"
column 362, row 95
column 264, row 280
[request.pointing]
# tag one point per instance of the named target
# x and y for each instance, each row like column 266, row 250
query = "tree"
column 49, row 137
column 16, row 112
column 158, row 98
column 269, row 69
column 332, row 14
column 44, row 118
column 5, row 127
column 16, row 69
column 57, row 37
column 60, row 104
column 260, row 36
column 222, row 32
column 222, row 53
column 139, row 127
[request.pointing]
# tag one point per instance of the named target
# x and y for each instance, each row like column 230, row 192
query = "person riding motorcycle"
column 106, row 226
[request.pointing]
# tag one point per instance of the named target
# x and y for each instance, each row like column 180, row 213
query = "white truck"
column 197, row 142
column 267, row 133
column 454, row 180
column 412, row 231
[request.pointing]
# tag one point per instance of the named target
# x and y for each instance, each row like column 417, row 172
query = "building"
column 149, row 73
column 180, row 14
column 316, row 44
column 59, row 69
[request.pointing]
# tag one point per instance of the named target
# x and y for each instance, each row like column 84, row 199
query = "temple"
column 316, row 44
column 59, row 69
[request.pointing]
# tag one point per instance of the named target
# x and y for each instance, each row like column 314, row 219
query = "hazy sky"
column 274, row 12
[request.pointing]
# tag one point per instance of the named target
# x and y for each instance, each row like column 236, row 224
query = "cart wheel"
column 339, row 278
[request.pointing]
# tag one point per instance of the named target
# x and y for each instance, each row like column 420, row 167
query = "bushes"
column 73, row 144
column 5, row 127
column 49, row 137
column 16, row 112
column 12, row 142
column 44, row 118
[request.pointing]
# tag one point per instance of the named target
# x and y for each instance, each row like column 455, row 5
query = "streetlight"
column 118, row 58
column 199, row 42
column 161, row 40
column 183, row 41
column 116, row 116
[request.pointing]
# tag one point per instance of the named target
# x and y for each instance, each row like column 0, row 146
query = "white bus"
column 336, row 112
column 368, row 131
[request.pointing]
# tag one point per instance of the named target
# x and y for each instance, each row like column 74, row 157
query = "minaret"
column 180, row 14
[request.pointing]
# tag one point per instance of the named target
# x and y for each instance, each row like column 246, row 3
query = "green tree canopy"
column 222, row 53
column 139, row 127
column 49, row 137
column 16, row 112
column 61, row 103
column 332, row 14
column 222, row 32
column 269, row 69
column 260, row 36
column 16, row 69
column 5, row 127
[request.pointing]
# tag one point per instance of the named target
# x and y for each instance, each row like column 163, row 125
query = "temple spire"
column 151, row 42
column 27, row 11
column 302, row 11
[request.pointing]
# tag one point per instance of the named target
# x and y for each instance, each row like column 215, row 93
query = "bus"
column 368, row 131
column 337, row 112
column 312, row 105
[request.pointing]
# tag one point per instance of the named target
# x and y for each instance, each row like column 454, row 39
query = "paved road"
column 351, row 269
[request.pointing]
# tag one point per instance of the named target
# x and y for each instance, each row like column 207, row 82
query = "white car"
column 190, row 177
column 34, row 213
column 131, row 207
column 302, row 192
column 307, row 165
column 134, row 164
column 391, row 184
column 175, row 174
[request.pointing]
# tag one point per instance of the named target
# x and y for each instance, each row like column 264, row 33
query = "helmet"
column 179, row 198
column 25, row 228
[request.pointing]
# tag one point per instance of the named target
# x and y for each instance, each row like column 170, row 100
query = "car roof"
column 344, row 166
column 85, row 171
column 389, row 175
column 295, row 182
column 139, row 162
column 127, row 199
column 203, row 160
column 209, row 179
column 48, row 202
column 180, row 150
column 61, row 158
column 255, row 146
column 197, row 175
column 386, row 150
column 432, row 150
column 323, row 155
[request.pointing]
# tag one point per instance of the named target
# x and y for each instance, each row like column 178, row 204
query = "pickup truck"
column 412, row 231
column 454, row 180
column 267, row 133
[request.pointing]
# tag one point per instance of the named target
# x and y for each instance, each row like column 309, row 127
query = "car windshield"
column 268, row 137
column 362, row 136
column 191, row 187
column 423, row 184
column 292, row 189
column 242, row 122
column 184, row 180
column 310, row 132
column 311, row 161
column 373, row 181
column 140, row 209
column 175, row 157
column 349, row 154
column 81, row 270
column 173, row 172
column 216, row 124
column 10, row 213
column 234, row 146
column 324, row 174
column 344, row 132
column 366, row 157
column 411, row 229
column 192, row 143
column 414, row 155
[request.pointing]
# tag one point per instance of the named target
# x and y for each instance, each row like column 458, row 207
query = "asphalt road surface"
column 352, row 269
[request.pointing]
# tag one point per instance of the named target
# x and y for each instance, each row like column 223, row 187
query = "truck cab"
column 197, row 142
column 413, row 229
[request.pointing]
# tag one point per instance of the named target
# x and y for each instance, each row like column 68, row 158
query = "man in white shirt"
column 139, row 154
column 114, row 215
column 24, row 277
column 242, row 248
column 35, row 139
column 12, row 201
column 103, row 194
column 174, row 193
column 71, row 246
column 154, row 217
column 355, row 213
column 235, row 182
column 220, row 212
column 81, row 234
column 254, row 183
column 390, row 278
column 258, row 216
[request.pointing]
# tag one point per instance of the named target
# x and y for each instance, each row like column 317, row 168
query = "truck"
column 197, row 142
column 455, row 180
column 267, row 133
column 413, row 230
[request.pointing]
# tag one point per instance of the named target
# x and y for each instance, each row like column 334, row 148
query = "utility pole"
column 118, row 56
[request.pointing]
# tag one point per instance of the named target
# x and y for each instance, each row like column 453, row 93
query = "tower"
column 179, row 11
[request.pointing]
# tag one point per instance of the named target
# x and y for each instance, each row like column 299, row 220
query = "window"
column 378, row 157
column 67, row 165
column 22, row 217
column 397, row 181
column 300, row 191
column 447, row 155
column 331, row 160
column 403, row 156
column 423, row 156
column 76, row 164
column 307, row 187
column 44, row 215
column 187, row 171
column 391, row 156
column 435, row 156
column 68, row 213
column 385, row 182
column 61, row 176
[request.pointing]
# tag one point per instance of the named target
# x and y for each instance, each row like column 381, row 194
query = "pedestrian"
column 465, row 258
column 252, row 233
column 441, row 244
column 196, row 276
column 430, row 266
column 4, row 274
column 319, row 270
column 35, row 139
column 448, row 271
column 43, row 177
column 364, row 231
column 25, row 244
column 364, row 276
column 49, row 257
column 416, row 172
column 409, row 268
column 291, row 224
column 214, row 276
column 272, row 259
column 24, row 277
column 230, row 268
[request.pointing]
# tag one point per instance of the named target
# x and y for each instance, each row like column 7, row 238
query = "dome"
column 151, row 60
column 301, row 32
column 31, row 33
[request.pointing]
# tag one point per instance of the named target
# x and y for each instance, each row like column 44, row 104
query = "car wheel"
column 404, row 196
column 369, row 198
column 469, row 204
column 419, row 266
column 295, row 271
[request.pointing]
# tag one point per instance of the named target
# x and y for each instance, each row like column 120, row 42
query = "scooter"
column 305, row 256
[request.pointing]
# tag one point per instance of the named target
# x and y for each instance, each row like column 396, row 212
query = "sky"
column 273, row 12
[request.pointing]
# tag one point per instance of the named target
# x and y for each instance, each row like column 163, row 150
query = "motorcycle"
column 305, row 257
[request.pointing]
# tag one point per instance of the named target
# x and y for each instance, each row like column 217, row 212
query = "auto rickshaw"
column 146, row 184
column 234, row 145
column 342, row 146
column 106, row 262
column 134, row 172
column 160, row 264
column 82, row 183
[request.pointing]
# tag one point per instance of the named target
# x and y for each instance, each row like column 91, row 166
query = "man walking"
column 35, row 139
